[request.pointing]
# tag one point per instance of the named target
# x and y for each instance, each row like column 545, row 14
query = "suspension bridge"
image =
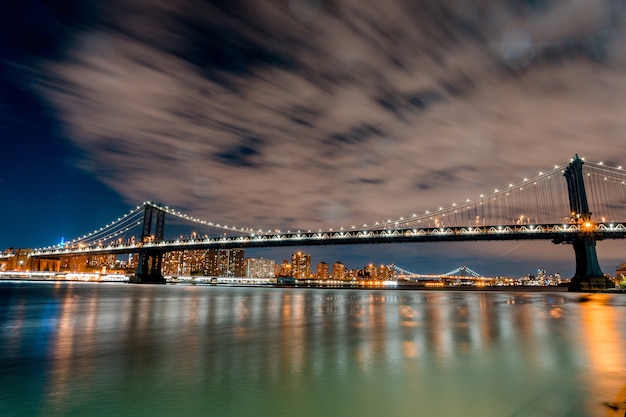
column 577, row 203
column 462, row 272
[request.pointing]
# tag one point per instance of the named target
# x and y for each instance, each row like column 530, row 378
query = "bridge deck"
column 558, row 233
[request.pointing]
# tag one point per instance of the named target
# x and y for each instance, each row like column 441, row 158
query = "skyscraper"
column 230, row 263
column 301, row 265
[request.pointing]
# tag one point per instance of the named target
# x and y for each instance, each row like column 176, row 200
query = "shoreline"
column 16, row 276
column 91, row 278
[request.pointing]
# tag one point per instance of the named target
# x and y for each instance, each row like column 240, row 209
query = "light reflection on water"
column 98, row 349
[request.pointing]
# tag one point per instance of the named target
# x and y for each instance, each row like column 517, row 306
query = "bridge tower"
column 150, row 260
column 588, row 274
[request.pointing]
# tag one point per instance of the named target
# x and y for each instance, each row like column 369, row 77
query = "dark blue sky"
column 294, row 114
column 45, row 197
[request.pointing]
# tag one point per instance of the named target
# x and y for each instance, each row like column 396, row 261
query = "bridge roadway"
column 558, row 233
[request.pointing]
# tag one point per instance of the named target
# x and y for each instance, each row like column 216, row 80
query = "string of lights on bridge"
column 134, row 218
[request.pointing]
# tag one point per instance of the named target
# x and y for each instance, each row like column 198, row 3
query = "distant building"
column 385, row 272
column 230, row 263
column 321, row 271
column 74, row 263
column 352, row 274
column 372, row 271
column 620, row 272
column 208, row 262
column 284, row 269
column 211, row 264
column 17, row 259
column 188, row 262
column 260, row 268
column 99, row 261
column 339, row 271
column 300, row 265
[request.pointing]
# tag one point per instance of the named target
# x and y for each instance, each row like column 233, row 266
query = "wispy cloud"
column 319, row 114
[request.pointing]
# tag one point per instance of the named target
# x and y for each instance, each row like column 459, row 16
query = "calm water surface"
column 78, row 349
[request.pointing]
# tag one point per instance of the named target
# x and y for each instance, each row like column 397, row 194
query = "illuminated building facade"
column 339, row 270
column 260, row 268
column 385, row 272
column 188, row 262
column 321, row 271
column 230, row 263
column 301, row 265
column 284, row 269
column 207, row 262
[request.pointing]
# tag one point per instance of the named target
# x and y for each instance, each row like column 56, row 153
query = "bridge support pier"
column 149, row 269
column 149, row 262
column 588, row 276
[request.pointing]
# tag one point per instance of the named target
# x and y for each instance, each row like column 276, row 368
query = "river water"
column 87, row 349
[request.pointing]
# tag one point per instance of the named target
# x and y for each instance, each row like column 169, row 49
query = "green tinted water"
column 116, row 349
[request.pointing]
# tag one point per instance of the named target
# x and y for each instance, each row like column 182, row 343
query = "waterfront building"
column 339, row 271
column 352, row 274
column 19, row 261
column 385, row 272
column 184, row 262
column 371, row 271
column 208, row 262
column 301, row 265
column 284, row 269
column 230, row 263
column 97, row 262
column 321, row 271
column 260, row 268
column 75, row 263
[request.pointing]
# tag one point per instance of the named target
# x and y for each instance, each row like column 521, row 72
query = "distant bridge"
column 462, row 272
column 543, row 207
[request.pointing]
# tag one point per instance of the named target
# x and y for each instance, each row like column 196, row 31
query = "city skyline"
column 231, row 263
column 303, row 114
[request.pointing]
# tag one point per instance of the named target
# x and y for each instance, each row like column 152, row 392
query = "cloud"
column 321, row 114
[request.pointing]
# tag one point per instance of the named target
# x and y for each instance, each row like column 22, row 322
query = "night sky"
column 303, row 114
